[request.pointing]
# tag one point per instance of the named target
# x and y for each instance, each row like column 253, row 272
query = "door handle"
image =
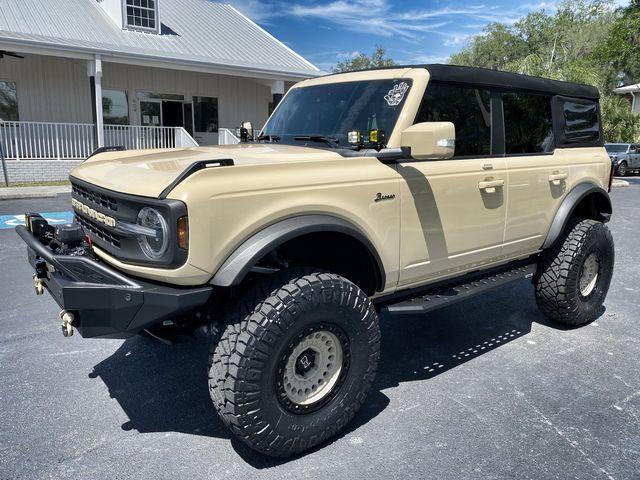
column 557, row 177
column 489, row 186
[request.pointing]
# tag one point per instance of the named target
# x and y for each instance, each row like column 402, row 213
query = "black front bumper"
column 106, row 303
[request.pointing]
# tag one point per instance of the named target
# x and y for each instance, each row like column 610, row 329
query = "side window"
column 527, row 123
column 577, row 121
column 8, row 101
column 115, row 107
column 467, row 108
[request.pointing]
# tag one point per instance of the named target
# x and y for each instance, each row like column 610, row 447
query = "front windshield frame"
column 616, row 148
column 286, row 123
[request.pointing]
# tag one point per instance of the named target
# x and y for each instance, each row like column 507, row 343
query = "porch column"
column 94, row 70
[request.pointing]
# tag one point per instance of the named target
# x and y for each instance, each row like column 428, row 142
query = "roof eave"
column 32, row 46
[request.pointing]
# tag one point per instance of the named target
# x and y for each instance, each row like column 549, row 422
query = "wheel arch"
column 256, row 247
column 588, row 199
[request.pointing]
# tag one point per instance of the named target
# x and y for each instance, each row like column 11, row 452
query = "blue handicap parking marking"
column 54, row 218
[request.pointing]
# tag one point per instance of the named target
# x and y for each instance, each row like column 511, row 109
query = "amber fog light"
column 183, row 233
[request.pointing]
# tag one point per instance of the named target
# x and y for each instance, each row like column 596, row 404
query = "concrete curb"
column 19, row 193
column 619, row 183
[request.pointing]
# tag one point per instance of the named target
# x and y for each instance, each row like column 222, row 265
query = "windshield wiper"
column 319, row 138
column 271, row 138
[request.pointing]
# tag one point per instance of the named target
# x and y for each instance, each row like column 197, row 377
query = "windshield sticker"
column 396, row 94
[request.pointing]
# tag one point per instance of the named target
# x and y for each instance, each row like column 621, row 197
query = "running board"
column 448, row 294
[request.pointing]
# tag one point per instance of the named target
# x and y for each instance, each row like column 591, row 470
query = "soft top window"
column 577, row 121
column 468, row 108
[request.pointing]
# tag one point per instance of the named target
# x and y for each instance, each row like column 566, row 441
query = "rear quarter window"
column 577, row 122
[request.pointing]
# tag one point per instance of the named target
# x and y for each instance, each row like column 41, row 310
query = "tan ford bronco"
column 399, row 190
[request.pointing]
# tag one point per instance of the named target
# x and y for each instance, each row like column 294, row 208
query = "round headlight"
column 153, row 247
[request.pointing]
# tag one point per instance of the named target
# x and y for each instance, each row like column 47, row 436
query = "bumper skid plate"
column 104, row 302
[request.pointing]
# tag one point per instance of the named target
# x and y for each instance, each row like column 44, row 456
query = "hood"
column 149, row 172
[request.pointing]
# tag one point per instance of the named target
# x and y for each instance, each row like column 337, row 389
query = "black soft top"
column 485, row 77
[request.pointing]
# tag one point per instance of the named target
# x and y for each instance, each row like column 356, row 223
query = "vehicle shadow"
column 164, row 388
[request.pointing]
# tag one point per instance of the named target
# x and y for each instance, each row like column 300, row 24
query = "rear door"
column 453, row 211
column 538, row 176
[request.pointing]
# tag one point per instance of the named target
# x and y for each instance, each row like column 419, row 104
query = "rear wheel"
column 573, row 277
column 295, row 362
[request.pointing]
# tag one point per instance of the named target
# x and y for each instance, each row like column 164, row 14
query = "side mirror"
column 430, row 140
column 245, row 132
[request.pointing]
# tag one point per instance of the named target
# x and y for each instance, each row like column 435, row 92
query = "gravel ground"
column 482, row 389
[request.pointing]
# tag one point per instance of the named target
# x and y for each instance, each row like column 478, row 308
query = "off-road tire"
column 260, row 328
column 622, row 170
column 557, row 281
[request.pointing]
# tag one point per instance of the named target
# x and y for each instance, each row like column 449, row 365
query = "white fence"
column 227, row 136
column 71, row 141
column 137, row 137
column 42, row 140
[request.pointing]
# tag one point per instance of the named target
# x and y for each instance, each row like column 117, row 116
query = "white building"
column 79, row 74
column 632, row 93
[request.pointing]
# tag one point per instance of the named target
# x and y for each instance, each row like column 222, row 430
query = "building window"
column 527, row 123
column 8, row 102
column 141, row 14
column 205, row 114
column 467, row 108
column 115, row 107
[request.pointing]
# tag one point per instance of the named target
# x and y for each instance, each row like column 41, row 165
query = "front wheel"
column 622, row 169
column 573, row 277
column 295, row 362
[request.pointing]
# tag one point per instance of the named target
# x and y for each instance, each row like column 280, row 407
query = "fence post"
column 15, row 140
column 4, row 164
column 57, row 142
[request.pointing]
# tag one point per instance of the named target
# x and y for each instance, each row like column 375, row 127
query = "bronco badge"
column 380, row 197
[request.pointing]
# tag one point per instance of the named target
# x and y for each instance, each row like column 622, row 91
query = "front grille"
column 94, row 197
column 98, row 231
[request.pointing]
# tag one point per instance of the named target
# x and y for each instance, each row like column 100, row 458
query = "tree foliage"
column 586, row 41
column 362, row 61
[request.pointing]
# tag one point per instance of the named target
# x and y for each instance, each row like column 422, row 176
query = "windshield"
column 332, row 110
column 616, row 148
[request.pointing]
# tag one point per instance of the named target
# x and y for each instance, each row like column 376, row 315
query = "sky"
column 328, row 31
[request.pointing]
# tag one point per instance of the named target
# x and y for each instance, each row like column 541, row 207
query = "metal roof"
column 198, row 32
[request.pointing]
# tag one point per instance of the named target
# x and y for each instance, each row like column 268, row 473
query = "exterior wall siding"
column 49, row 89
column 239, row 99
column 54, row 89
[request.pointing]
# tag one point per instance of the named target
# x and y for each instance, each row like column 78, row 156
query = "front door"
column 453, row 211
column 453, row 214
column 172, row 115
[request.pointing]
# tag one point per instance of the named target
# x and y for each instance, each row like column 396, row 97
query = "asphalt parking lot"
column 482, row 389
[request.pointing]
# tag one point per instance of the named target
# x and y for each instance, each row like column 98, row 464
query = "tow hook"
column 37, row 283
column 67, row 323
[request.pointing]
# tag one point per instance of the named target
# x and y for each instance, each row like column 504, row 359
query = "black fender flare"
column 238, row 264
column 569, row 204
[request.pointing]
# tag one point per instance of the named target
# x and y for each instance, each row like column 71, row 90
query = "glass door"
column 151, row 113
